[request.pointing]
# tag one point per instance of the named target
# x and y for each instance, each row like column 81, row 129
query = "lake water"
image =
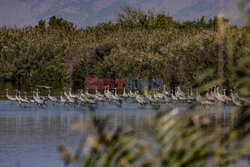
column 29, row 136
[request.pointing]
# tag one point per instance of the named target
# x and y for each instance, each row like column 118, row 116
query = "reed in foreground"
column 189, row 139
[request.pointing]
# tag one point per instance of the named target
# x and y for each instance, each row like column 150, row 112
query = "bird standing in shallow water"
column 38, row 100
column 12, row 99
column 62, row 99
column 124, row 95
column 51, row 98
column 22, row 100
column 140, row 99
column 30, row 100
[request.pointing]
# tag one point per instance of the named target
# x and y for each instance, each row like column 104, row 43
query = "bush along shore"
column 138, row 44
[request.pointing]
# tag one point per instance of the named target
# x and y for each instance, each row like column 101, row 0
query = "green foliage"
column 202, row 23
column 131, row 17
column 42, row 24
column 138, row 43
column 163, row 20
column 59, row 23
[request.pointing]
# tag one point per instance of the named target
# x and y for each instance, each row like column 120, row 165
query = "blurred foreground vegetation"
column 178, row 139
column 138, row 43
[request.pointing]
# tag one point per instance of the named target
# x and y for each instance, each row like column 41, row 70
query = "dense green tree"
column 42, row 24
column 55, row 22
column 138, row 43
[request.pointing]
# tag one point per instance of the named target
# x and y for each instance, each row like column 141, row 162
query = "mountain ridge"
column 91, row 12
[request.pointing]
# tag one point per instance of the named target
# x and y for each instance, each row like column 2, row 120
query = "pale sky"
column 91, row 12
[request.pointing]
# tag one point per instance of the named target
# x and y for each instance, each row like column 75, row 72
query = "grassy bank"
column 140, row 44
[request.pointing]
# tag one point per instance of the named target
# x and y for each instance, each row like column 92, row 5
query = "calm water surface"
column 29, row 136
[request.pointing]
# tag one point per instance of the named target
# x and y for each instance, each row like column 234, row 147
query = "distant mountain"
column 91, row 12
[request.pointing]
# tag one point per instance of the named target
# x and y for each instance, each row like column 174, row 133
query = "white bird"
column 37, row 99
column 201, row 100
column 70, row 100
column 62, row 99
column 88, row 95
column 90, row 101
column 211, row 96
column 207, row 94
column 167, row 99
column 131, row 94
column 117, row 98
column 151, row 98
column 191, row 95
column 180, row 95
column 174, row 98
column 108, row 95
column 158, row 95
column 17, row 98
column 116, row 95
column 100, row 99
column 226, row 97
column 179, row 92
column 43, row 87
column 81, row 99
column 112, row 97
column 140, row 99
column 99, row 94
column 51, row 98
column 65, row 92
column 80, row 93
column 146, row 94
column 22, row 100
column 220, row 97
column 40, row 97
column 235, row 100
column 182, row 98
column 198, row 96
column 125, row 95
column 72, row 95
column 165, row 92
column 30, row 100
column 12, row 99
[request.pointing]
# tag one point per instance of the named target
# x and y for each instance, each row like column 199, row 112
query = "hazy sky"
column 91, row 12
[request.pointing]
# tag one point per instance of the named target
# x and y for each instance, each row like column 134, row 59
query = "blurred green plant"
column 187, row 139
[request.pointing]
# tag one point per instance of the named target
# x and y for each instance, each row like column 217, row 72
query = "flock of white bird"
column 212, row 97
